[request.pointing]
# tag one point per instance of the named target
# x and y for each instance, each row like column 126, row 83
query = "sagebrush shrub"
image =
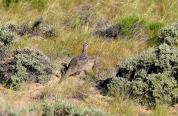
column 48, row 31
column 155, row 89
column 169, row 35
column 25, row 65
column 150, row 77
column 7, row 36
column 10, row 26
column 23, row 29
column 111, row 32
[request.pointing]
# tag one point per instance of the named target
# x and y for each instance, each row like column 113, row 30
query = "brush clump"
column 169, row 35
column 7, row 35
column 151, row 77
column 24, row 65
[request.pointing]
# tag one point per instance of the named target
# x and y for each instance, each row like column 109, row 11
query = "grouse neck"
column 84, row 53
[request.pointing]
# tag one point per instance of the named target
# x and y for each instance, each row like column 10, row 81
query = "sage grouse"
column 80, row 63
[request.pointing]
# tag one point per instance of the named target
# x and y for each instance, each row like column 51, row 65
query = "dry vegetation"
column 75, row 93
